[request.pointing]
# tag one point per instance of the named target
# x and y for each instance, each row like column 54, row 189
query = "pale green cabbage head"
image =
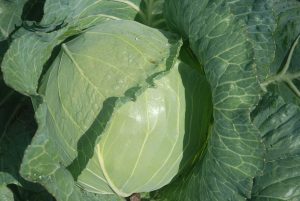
column 147, row 113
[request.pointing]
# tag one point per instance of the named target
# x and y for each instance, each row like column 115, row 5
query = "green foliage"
column 10, row 16
column 170, row 100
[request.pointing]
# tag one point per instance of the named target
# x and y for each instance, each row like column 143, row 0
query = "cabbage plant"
column 153, row 100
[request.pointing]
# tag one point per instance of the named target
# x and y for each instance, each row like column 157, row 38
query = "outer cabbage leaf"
column 6, row 194
column 288, row 28
column 104, row 63
column 286, row 82
column 260, row 25
column 88, row 12
column 23, row 63
column 152, row 14
column 149, row 141
column 220, row 39
column 285, row 69
column 10, row 16
column 86, row 196
column 279, row 124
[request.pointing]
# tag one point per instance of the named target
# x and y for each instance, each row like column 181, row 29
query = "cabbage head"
column 138, row 118
column 152, row 100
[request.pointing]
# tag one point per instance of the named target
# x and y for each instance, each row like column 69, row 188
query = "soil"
column 135, row 197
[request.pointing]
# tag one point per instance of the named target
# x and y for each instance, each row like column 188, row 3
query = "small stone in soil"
column 135, row 197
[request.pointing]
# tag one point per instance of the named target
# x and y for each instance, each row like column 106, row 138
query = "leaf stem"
column 294, row 88
column 283, row 76
column 287, row 64
column 293, row 76
column 149, row 7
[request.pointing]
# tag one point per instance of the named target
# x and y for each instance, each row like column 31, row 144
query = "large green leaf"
column 106, row 62
column 10, row 16
column 285, row 70
column 287, row 13
column 220, row 39
column 88, row 12
column 287, row 81
column 279, row 124
column 20, row 69
column 86, row 196
column 152, row 14
column 260, row 25
column 6, row 194
column 27, row 55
